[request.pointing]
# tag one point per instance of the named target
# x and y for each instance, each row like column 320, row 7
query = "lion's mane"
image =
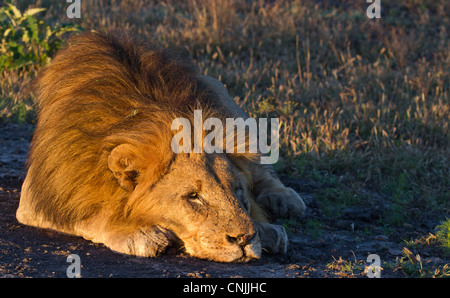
column 116, row 92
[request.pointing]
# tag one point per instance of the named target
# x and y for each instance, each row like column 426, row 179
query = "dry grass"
column 366, row 101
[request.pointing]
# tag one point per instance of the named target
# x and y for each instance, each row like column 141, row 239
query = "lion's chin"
column 227, row 254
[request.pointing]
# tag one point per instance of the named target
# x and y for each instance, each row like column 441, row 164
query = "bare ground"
column 338, row 248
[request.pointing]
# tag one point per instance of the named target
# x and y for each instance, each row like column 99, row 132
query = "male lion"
column 100, row 164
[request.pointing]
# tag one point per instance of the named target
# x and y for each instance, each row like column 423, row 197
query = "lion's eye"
column 193, row 195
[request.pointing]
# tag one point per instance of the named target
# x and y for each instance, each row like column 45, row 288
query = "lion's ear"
column 126, row 164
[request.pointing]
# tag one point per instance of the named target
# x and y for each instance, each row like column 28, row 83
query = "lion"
column 100, row 165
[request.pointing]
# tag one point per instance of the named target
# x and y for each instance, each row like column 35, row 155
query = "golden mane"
column 119, row 91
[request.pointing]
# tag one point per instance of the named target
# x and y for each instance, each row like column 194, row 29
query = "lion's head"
column 201, row 198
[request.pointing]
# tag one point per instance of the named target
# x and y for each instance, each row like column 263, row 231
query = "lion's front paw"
column 283, row 201
column 149, row 241
column 273, row 238
column 144, row 242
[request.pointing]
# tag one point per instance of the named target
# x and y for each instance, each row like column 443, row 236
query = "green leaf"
column 25, row 37
column 48, row 32
column 33, row 28
column 33, row 11
column 6, row 32
column 15, row 11
column 10, row 17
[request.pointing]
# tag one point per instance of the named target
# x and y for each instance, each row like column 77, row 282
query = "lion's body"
column 101, row 167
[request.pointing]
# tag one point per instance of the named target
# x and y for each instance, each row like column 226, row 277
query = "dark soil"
column 336, row 248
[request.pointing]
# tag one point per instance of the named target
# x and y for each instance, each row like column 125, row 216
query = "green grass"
column 413, row 266
column 443, row 235
column 345, row 268
column 364, row 104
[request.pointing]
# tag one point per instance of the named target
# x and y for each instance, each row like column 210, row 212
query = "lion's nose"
column 241, row 239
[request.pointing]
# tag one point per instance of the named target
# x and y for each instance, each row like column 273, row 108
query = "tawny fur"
column 100, row 164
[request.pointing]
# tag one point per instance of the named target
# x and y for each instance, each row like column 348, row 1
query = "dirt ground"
column 338, row 249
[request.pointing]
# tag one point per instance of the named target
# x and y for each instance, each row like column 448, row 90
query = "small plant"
column 443, row 235
column 26, row 40
column 413, row 266
column 343, row 267
column 27, row 43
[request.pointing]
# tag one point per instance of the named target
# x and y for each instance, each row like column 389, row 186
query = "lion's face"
column 202, row 198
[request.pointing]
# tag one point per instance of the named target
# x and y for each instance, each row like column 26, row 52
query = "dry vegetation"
column 364, row 103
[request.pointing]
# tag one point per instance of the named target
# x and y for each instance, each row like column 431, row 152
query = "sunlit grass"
column 413, row 266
